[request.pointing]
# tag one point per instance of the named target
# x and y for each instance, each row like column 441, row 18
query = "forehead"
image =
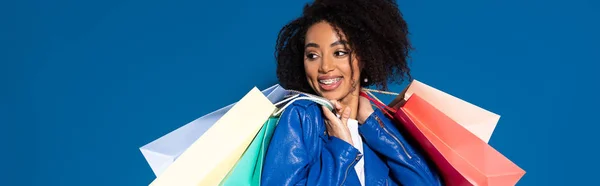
column 322, row 33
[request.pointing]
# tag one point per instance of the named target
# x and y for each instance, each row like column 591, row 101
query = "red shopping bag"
column 462, row 157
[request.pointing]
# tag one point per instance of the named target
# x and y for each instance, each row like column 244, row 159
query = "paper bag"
column 475, row 119
column 208, row 160
column 461, row 156
column 161, row 152
column 248, row 169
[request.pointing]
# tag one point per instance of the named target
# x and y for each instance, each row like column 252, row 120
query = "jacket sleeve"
column 294, row 156
column 407, row 165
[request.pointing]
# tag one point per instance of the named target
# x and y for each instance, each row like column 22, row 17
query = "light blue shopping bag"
column 161, row 152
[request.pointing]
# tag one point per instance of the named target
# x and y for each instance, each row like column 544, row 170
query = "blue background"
column 84, row 84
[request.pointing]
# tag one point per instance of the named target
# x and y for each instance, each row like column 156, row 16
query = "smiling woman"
column 327, row 67
column 332, row 50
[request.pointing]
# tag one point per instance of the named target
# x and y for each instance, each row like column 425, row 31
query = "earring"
column 366, row 80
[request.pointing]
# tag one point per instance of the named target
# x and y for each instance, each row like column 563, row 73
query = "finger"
column 330, row 116
column 328, row 127
column 364, row 100
column 327, row 123
column 335, row 126
column 346, row 116
column 336, row 105
column 337, row 108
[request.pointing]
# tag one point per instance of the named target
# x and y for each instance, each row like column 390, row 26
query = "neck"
column 351, row 100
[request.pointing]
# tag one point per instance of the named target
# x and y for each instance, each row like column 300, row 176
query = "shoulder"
column 305, row 104
column 302, row 119
column 302, row 109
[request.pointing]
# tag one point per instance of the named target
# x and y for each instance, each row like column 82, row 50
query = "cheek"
column 311, row 70
column 347, row 69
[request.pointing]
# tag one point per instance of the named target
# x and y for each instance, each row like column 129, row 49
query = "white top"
column 358, row 144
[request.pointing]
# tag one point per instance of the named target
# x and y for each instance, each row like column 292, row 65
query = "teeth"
column 329, row 81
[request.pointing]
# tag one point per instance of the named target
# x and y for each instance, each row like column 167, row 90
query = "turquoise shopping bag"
column 248, row 169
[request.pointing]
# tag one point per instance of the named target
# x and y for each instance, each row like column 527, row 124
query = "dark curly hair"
column 376, row 33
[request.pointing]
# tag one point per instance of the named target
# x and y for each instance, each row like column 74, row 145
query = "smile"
column 329, row 81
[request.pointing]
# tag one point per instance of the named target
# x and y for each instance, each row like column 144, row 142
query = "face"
column 326, row 62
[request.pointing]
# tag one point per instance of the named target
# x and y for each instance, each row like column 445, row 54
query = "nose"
column 327, row 64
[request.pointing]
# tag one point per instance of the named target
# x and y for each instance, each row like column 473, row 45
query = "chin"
column 335, row 94
column 331, row 96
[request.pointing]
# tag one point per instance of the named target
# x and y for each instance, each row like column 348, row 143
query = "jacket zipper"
column 395, row 138
column 348, row 169
column 402, row 145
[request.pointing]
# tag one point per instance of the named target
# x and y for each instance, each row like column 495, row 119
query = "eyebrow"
column 311, row 45
column 339, row 42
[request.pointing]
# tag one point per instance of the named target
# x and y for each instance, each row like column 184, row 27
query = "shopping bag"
column 161, row 152
column 475, row 119
column 248, row 170
column 461, row 156
column 459, row 150
column 208, row 159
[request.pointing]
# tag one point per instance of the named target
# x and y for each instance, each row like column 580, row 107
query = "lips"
column 329, row 83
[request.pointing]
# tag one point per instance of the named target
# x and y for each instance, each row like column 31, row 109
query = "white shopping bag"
column 162, row 152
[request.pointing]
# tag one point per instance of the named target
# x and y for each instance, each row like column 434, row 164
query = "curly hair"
column 375, row 31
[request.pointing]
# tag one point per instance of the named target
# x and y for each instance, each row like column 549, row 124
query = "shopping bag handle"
column 366, row 93
column 293, row 94
column 296, row 97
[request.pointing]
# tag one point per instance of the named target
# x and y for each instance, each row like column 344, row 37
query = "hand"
column 364, row 109
column 335, row 126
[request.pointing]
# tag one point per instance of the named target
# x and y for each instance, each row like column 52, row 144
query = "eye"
column 340, row 53
column 312, row 56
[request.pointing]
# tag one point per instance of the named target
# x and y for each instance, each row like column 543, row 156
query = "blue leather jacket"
column 302, row 153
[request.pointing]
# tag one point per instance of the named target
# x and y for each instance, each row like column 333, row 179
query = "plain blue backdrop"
column 84, row 84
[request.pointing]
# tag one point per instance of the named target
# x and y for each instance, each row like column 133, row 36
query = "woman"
column 335, row 48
